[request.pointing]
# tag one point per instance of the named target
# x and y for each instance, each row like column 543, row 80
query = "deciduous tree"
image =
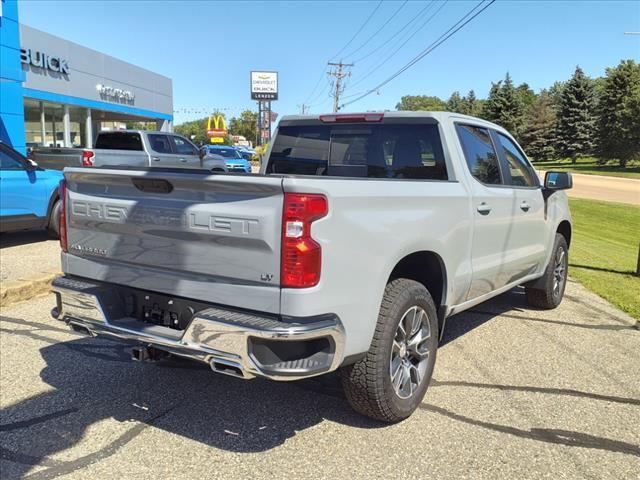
column 246, row 125
column 421, row 102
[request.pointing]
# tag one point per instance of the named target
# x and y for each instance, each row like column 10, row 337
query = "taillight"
column 62, row 191
column 87, row 158
column 301, row 254
column 351, row 117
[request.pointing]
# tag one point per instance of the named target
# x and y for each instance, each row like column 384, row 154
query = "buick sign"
column 44, row 60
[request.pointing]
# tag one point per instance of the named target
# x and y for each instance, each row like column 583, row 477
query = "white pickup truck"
column 361, row 235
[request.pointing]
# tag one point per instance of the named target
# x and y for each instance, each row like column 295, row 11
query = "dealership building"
column 54, row 92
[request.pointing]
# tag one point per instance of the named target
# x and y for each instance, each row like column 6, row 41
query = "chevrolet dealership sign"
column 264, row 85
column 113, row 94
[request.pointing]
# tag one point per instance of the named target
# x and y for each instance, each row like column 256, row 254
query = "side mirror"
column 558, row 181
column 31, row 165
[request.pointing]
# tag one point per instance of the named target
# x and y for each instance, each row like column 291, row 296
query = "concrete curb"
column 21, row 290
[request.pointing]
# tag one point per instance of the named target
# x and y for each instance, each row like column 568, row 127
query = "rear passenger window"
column 160, row 143
column 359, row 150
column 480, row 155
column 521, row 174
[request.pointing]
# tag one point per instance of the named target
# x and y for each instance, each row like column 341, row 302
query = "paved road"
column 600, row 187
column 25, row 255
column 516, row 393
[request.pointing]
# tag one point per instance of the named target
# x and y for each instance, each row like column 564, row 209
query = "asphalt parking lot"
column 516, row 393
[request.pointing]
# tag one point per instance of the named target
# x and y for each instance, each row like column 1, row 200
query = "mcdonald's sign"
column 217, row 128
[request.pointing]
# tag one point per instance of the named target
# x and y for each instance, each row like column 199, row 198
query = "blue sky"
column 208, row 48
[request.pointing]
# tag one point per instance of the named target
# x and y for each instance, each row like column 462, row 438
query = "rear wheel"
column 549, row 289
column 53, row 226
column 389, row 383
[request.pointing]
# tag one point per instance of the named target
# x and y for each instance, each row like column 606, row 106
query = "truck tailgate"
column 214, row 238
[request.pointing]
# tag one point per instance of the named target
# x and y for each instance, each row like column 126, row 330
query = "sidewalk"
column 28, row 263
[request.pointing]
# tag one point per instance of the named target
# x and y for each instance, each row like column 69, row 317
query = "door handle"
column 484, row 209
column 155, row 159
column 183, row 160
column 524, row 206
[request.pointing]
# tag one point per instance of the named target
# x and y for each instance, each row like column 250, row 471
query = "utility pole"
column 340, row 73
column 304, row 108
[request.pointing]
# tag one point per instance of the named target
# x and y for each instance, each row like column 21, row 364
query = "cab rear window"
column 119, row 141
column 412, row 151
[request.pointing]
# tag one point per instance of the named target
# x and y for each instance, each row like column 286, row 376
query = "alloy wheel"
column 410, row 352
column 559, row 272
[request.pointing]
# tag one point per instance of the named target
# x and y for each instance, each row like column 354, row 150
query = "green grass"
column 604, row 251
column 589, row 166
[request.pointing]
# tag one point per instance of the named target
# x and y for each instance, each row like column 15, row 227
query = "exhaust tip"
column 80, row 329
column 226, row 369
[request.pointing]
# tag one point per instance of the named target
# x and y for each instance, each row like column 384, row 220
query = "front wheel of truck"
column 391, row 380
column 548, row 291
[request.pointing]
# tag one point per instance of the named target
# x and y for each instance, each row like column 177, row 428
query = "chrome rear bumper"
column 234, row 343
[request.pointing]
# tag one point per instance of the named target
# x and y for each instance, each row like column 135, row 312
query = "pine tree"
column 540, row 135
column 619, row 113
column 493, row 105
column 527, row 99
column 455, row 103
column 576, row 119
column 555, row 92
column 504, row 107
column 512, row 112
column 471, row 104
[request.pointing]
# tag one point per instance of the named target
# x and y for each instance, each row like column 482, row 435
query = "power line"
column 379, row 30
column 341, row 50
column 316, row 86
column 359, row 30
column 393, row 54
column 325, row 90
column 398, row 32
column 444, row 37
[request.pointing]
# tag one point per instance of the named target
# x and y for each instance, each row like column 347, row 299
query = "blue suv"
column 28, row 194
column 232, row 157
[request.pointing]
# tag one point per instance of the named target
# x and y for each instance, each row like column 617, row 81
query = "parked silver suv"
column 132, row 148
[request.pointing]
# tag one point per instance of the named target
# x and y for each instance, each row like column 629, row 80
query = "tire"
column 368, row 384
column 53, row 226
column 547, row 291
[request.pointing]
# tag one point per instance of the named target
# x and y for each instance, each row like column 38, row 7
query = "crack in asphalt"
column 58, row 468
column 36, row 325
column 522, row 388
column 7, row 427
column 614, row 328
column 561, row 437
column 590, row 308
column 25, row 459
